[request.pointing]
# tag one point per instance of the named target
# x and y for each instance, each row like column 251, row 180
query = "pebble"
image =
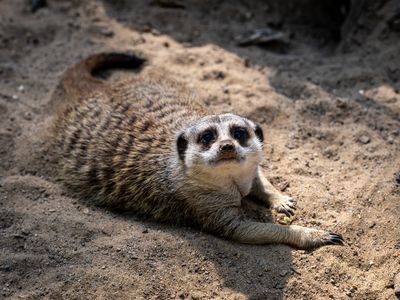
column 351, row 291
column 106, row 32
column 155, row 32
column 15, row 97
column 364, row 139
column 371, row 263
column 86, row 211
column 372, row 225
column 21, row 88
column 28, row 116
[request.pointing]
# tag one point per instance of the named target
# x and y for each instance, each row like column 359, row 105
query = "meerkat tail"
column 79, row 80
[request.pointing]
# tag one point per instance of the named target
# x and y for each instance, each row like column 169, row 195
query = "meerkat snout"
column 227, row 151
column 226, row 147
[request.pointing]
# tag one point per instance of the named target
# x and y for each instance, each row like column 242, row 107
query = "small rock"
column 145, row 231
column 28, row 116
column 21, row 88
column 52, row 210
column 103, row 267
column 353, row 290
column 371, row 262
column 364, row 139
column 106, row 32
column 341, row 103
column 155, row 32
column 372, row 225
column 15, row 97
column 86, row 211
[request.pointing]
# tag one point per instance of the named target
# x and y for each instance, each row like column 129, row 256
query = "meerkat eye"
column 240, row 134
column 207, row 137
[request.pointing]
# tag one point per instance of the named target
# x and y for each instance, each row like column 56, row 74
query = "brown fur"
column 116, row 142
column 117, row 147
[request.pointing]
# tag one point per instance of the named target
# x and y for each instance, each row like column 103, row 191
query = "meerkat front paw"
column 314, row 238
column 283, row 204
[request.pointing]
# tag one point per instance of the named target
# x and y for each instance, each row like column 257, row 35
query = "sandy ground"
column 327, row 97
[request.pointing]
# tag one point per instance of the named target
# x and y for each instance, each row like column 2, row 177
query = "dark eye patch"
column 240, row 134
column 259, row 133
column 207, row 137
column 182, row 144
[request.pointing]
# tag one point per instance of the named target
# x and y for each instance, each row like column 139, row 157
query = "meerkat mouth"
column 228, row 158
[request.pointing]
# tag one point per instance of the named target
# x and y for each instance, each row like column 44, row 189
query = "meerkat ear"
column 259, row 133
column 181, row 145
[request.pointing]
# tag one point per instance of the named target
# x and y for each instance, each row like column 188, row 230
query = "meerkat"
column 148, row 146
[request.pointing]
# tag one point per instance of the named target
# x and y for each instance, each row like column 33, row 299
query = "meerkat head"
column 225, row 141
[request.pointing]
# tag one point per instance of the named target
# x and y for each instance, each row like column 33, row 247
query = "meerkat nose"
column 227, row 147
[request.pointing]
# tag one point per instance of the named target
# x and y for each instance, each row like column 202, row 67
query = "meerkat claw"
column 337, row 239
column 285, row 204
column 292, row 203
column 287, row 211
column 334, row 239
